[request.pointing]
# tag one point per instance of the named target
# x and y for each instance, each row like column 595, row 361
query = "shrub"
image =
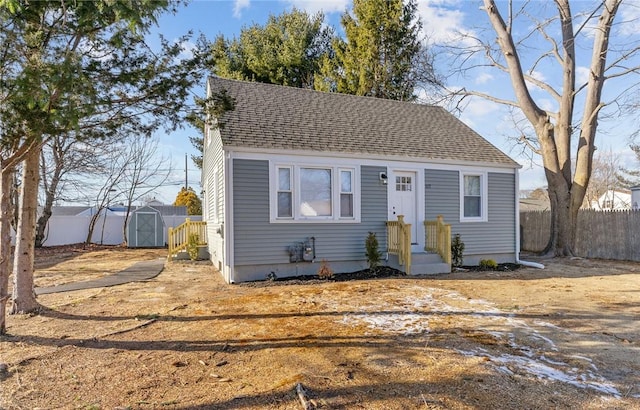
column 457, row 249
column 325, row 272
column 374, row 256
column 192, row 246
column 488, row 264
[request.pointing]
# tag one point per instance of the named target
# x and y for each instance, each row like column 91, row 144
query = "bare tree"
column 604, row 178
column 113, row 174
column 145, row 172
column 66, row 161
column 554, row 130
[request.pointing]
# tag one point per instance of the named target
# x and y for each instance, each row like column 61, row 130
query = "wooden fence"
column 600, row 234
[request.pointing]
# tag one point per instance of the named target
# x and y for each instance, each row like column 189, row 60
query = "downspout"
column 517, row 227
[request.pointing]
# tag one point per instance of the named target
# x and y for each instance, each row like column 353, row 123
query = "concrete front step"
column 203, row 254
column 430, row 268
column 422, row 263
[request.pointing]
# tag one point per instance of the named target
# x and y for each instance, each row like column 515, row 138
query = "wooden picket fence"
column 600, row 234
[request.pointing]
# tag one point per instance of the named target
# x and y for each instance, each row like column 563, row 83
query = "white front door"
column 403, row 200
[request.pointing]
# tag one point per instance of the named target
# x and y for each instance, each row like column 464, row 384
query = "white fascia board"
column 367, row 159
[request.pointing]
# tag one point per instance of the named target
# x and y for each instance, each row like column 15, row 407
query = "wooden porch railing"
column 438, row 238
column 399, row 241
column 178, row 237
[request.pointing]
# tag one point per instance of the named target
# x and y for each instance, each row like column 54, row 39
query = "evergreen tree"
column 287, row 50
column 77, row 70
column 379, row 55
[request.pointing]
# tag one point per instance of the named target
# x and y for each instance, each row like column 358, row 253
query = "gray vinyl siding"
column 213, row 178
column 257, row 241
column 213, row 187
column 442, row 197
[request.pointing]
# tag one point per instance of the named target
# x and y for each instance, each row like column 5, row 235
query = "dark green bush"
column 374, row 256
column 457, row 249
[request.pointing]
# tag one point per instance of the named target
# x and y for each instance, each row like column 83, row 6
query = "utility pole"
column 186, row 178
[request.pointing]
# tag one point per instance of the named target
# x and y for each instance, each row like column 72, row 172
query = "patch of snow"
column 506, row 362
column 399, row 323
column 411, row 315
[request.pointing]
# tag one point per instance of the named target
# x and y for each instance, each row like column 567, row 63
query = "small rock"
column 202, row 362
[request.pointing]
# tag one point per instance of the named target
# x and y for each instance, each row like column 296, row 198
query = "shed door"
column 403, row 200
column 146, row 229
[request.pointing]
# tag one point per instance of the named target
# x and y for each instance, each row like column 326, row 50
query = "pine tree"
column 377, row 59
column 287, row 50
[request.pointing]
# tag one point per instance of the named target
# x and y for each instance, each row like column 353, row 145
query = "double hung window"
column 473, row 197
column 314, row 193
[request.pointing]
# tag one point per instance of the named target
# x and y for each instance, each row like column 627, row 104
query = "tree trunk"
column 563, row 230
column 43, row 220
column 50, row 193
column 24, row 298
column 125, row 224
column 6, row 179
column 92, row 225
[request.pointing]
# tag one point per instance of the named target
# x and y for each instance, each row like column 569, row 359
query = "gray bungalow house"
column 293, row 177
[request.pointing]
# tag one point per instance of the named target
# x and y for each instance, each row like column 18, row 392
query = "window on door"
column 473, row 197
column 403, row 183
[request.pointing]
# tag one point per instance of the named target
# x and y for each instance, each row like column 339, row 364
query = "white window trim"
column 335, row 193
column 484, row 200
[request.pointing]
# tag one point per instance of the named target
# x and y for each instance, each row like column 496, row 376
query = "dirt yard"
column 564, row 337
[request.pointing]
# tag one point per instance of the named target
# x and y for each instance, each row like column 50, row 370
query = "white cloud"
column 188, row 47
column 630, row 13
column 547, row 104
column 325, row 6
column 479, row 107
column 476, row 111
column 582, row 75
column 238, row 6
column 538, row 76
column 442, row 22
column 483, row 78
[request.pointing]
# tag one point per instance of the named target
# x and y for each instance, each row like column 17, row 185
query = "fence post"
column 400, row 239
column 170, row 240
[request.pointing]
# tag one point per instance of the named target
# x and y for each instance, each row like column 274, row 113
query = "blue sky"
column 443, row 20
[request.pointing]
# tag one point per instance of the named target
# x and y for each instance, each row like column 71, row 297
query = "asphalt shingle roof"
column 270, row 116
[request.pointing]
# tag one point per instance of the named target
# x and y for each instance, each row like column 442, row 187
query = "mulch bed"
column 380, row 272
column 502, row 267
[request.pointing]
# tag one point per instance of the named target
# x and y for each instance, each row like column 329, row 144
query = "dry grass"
column 186, row 340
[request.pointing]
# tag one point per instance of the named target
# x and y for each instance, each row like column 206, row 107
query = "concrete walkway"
column 137, row 272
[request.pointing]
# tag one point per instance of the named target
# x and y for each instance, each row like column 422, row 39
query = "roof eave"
column 368, row 156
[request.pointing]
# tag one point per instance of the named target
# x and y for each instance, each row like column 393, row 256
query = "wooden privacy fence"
column 600, row 234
